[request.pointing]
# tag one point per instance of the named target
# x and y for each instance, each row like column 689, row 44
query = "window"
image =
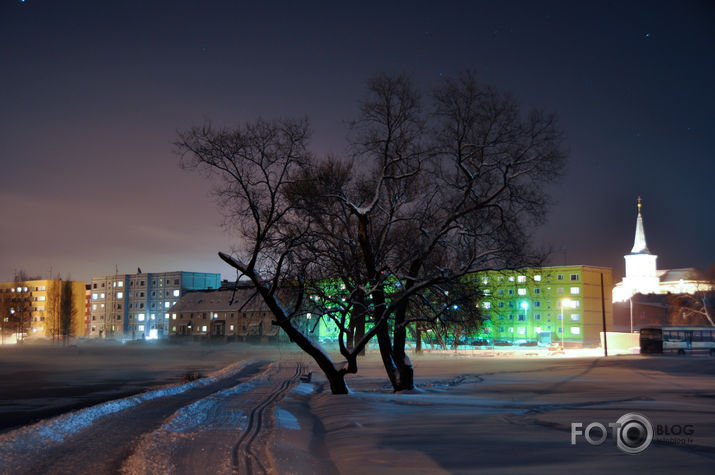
column 141, row 283
column 153, row 282
column 203, row 328
column 521, row 291
column 501, row 317
column 485, row 280
column 487, row 304
column 574, row 277
column 120, row 284
column 522, row 318
column 511, row 304
column 141, row 317
column 167, row 282
column 153, row 294
column 511, row 317
column 560, row 277
column 166, row 315
column 140, row 328
column 537, row 278
column 173, row 316
column 560, row 290
column 511, row 278
column 511, row 329
column 141, row 305
column 176, row 281
column 101, row 296
column 501, row 329
column 94, row 286
column 500, row 292
column 521, row 279
column 487, row 291
column 575, row 317
column 575, row 290
column 120, row 295
column 167, row 304
column 501, row 304
column 141, row 294
column 537, row 329
column 537, row 304
column 500, row 279
column 119, row 306
column 522, row 330
column 575, row 331
column 537, row 290
column 511, row 292
column 231, row 328
column 537, row 316
column 176, row 293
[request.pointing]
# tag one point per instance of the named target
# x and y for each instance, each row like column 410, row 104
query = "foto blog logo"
column 633, row 433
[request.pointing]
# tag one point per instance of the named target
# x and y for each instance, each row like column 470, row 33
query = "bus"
column 680, row 340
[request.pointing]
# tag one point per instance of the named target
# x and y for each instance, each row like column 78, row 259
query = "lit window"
column 120, row 295
column 173, row 328
column 511, row 278
column 575, row 331
column 487, row 291
column 203, row 328
column 537, row 278
column 166, row 315
column 231, row 328
column 153, row 316
column 537, row 329
column 167, row 304
column 94, row 306
column 522, row 330
column 575, row 290
column 101, row 296
column 140, row 328
column 511, row 329
column 485, row 280
column 41, row 298
column 101, row 305
column 521, row 279
column 521, row 291
column 173, row 316
column 487, row 304
column 176, row 293
column 140, row 317
column 500, row 279
column 94, row 296
column 575, row 317
column 120, row 284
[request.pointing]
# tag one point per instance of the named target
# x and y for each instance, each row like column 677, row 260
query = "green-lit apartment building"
column 527, row 305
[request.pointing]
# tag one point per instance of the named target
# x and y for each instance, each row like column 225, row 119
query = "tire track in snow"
column 247, row 458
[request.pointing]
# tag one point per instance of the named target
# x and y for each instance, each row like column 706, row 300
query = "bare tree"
column 428, row 197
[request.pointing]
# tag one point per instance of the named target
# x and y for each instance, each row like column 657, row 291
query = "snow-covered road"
column 161, row 430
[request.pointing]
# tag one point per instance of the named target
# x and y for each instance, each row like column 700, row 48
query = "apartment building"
column 136, row 306
column 547, row 304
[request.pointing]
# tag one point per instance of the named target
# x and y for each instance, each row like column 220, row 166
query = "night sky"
column 93, row 92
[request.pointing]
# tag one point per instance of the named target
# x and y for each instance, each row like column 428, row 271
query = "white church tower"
column 641, row 275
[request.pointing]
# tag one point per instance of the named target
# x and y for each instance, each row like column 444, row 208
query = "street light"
column 567, row 303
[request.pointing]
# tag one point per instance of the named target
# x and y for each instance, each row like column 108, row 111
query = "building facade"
column 31, row 309
column 222, row 315
column 547, row 304
column 136, row 306
column 643, row 276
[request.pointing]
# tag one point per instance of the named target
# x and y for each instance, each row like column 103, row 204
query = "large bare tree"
column 431, row 192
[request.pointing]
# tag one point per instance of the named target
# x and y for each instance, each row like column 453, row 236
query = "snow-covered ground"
column 469, row 414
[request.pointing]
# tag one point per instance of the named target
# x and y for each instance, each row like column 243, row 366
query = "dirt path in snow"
column 104, row 445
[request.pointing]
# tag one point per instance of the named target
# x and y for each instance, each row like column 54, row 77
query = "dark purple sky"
column 92, row 94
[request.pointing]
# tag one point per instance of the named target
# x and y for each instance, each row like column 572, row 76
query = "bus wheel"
column 681, row 351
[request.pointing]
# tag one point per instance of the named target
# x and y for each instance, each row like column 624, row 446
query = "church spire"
column 639, row 245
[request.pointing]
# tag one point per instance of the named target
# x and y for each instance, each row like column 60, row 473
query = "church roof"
column 639, row 244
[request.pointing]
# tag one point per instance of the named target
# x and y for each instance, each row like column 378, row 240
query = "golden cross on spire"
column 639, row 204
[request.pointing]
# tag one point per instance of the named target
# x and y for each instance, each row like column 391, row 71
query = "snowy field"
column 470, row 414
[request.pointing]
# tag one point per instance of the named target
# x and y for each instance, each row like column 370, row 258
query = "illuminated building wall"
column 39, row 300
column 226, row 314
column 526, row 305
column 137, row 305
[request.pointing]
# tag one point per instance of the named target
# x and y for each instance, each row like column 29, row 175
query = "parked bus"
column 680, row 340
